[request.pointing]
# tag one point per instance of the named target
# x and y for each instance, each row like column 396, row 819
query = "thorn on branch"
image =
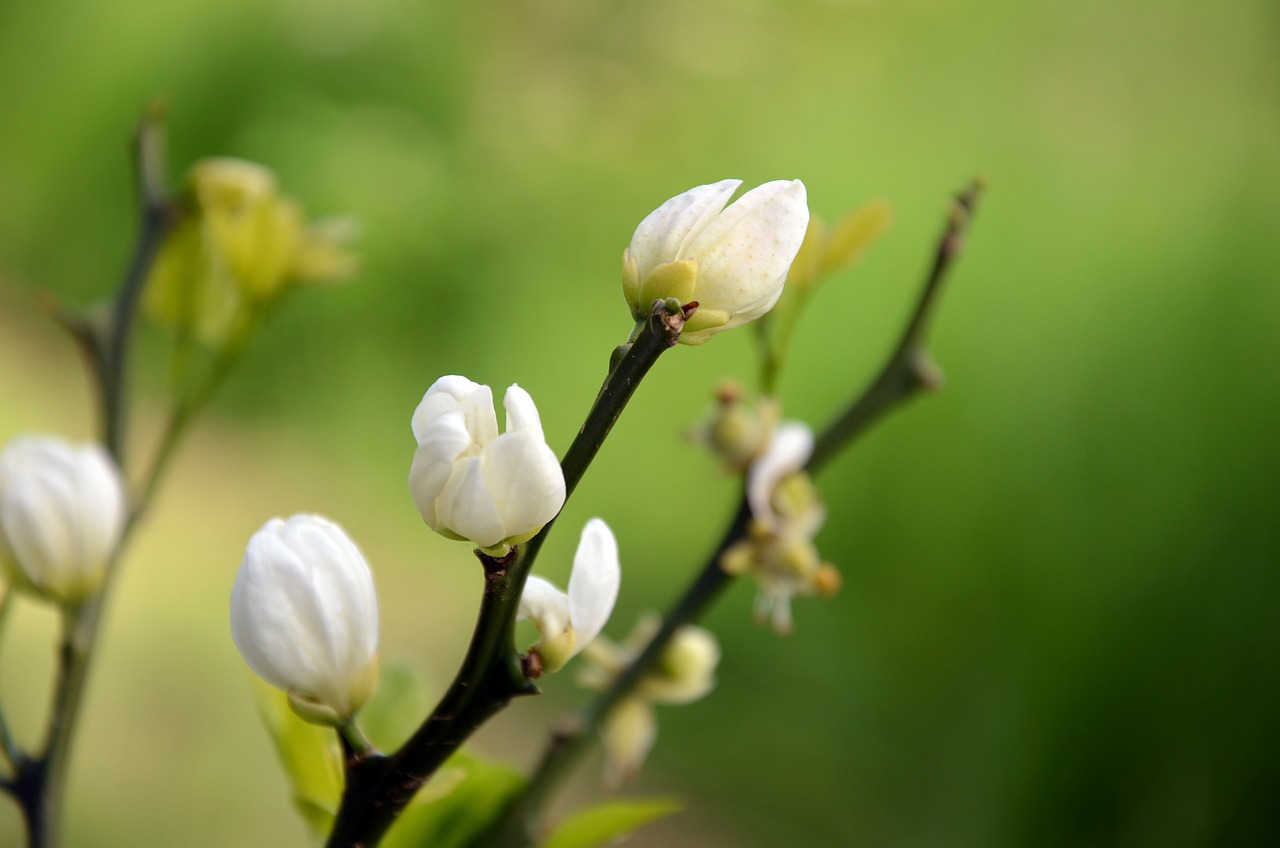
column 531, row 664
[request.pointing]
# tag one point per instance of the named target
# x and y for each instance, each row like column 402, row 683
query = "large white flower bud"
column 304, row 616
column 732, row 260
column 62, row 512
column 568, row 622
column 471, row 483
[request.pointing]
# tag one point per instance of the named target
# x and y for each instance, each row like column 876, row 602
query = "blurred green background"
column 1060, row 623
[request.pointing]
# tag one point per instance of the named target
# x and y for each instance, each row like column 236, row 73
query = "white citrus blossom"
column 62, row 512
column 471, row 483
column 684, row 673
column 567, row 623
column 304, row 616
column 732, row 260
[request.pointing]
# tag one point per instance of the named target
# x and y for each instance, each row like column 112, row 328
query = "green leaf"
column 311, row 757
column 458, row 805
column 853, row 233
column 606, row 823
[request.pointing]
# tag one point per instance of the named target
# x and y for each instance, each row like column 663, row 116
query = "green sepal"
column 605, row 823
column 676, row 279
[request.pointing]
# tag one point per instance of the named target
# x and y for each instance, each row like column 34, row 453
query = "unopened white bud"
column 62, row 512
column 304, row 616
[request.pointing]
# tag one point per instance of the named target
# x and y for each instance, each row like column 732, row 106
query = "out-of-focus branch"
column 40, row 780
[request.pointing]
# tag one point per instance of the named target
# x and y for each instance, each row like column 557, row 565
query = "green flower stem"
column 904, row 373
column 379, row 787
column 355, row 743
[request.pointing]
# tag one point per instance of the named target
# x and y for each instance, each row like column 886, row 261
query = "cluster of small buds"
column 568, row 623
column 732, row 261
column 63, row 509
column 304, row 616
column 683, row 673
column 238, row 245
column 786, row 514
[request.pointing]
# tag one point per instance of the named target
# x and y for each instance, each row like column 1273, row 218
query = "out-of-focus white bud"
column 304, row 616
column 686, row 671
column 627, row 735
column 567, row 623
column 732, row 260
column 472, row 484
column 62, row 511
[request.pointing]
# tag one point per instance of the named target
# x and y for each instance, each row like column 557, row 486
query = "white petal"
column 743, row 255
column 593, row 585
column 441, row 443
column 522, row 412
column 665, row 233
column 790, row 449
column 467, row 507
column 455, row 393
column 525, row 481
column 545, row 605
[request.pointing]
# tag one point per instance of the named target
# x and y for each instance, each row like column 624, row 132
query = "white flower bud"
column 304, row 616
column 62, row 512
column 569, row 622
column 471, row 483
column 732, row 260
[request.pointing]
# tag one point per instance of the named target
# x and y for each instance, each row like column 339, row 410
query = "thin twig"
column 156, row 213
column 902, row 376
